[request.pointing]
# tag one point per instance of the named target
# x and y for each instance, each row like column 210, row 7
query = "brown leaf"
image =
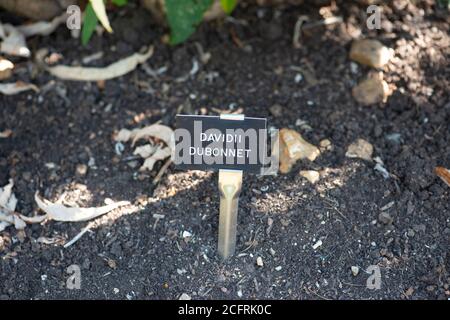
column 444, row 174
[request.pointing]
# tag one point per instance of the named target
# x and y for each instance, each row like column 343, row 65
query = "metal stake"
column 230, row 184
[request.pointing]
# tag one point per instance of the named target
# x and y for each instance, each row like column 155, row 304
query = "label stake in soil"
column 232, row 144
column 230, row 184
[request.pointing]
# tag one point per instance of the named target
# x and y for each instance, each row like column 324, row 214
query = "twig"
column 79, row 235
column 162, row 171
column 315, row 293
column 324, row 22
column 298, row 31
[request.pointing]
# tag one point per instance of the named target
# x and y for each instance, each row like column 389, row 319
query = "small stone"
column 311, row 175
column 385, row 218
column 360, row 149
column 276, row 110
column 239, row 293
column 278, row 268
column 293, row 147
column 81, row 169
column 184, row 296
column 325, row 144
column 259, row 262
column 6, row 68
column 116, row 291
column 371, row 90
column 370, row 52
column 355, row 270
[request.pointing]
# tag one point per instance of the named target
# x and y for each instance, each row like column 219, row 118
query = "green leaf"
column 228, row 5
column 183, row 17
column 120, row 3
column 89, row 23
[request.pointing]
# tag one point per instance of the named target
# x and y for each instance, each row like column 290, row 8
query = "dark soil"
column 134, row 256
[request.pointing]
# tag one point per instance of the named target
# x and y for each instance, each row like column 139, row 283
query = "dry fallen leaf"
column 145, row 151
column 6, row 133
column 59, row 212
column 6, row 68
column 55, row 240
column 42, row 28
column 114, row 70
column 14, row 36
column 160, row 154
column 8, row 202
column 444, row 174
column 13, row 42
column 17, row 87
column 150, row 152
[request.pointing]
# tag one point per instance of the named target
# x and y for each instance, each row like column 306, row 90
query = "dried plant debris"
column 42, row 28
column 154, row 150
column 444, row 174
column 5, row 133
column 16, row 87
column 60, row 212
column 13, row 42
column 114, row 70
column 13, row 37
column 8, row 202
column 6, row 68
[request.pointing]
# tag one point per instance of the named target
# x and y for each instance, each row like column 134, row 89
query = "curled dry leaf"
column 150, row 152
column 6, row 68
column 159, row 154
column 54, row 240
column 6, row 133
column 145, row 151
column 42, row 28
column 14, row 36
column 444, row 174
column 13, row 42
column 8, row 202
column 17, row 87
column 59, row 212
column 114, row 70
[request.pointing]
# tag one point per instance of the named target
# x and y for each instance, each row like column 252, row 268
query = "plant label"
column 231, row 142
